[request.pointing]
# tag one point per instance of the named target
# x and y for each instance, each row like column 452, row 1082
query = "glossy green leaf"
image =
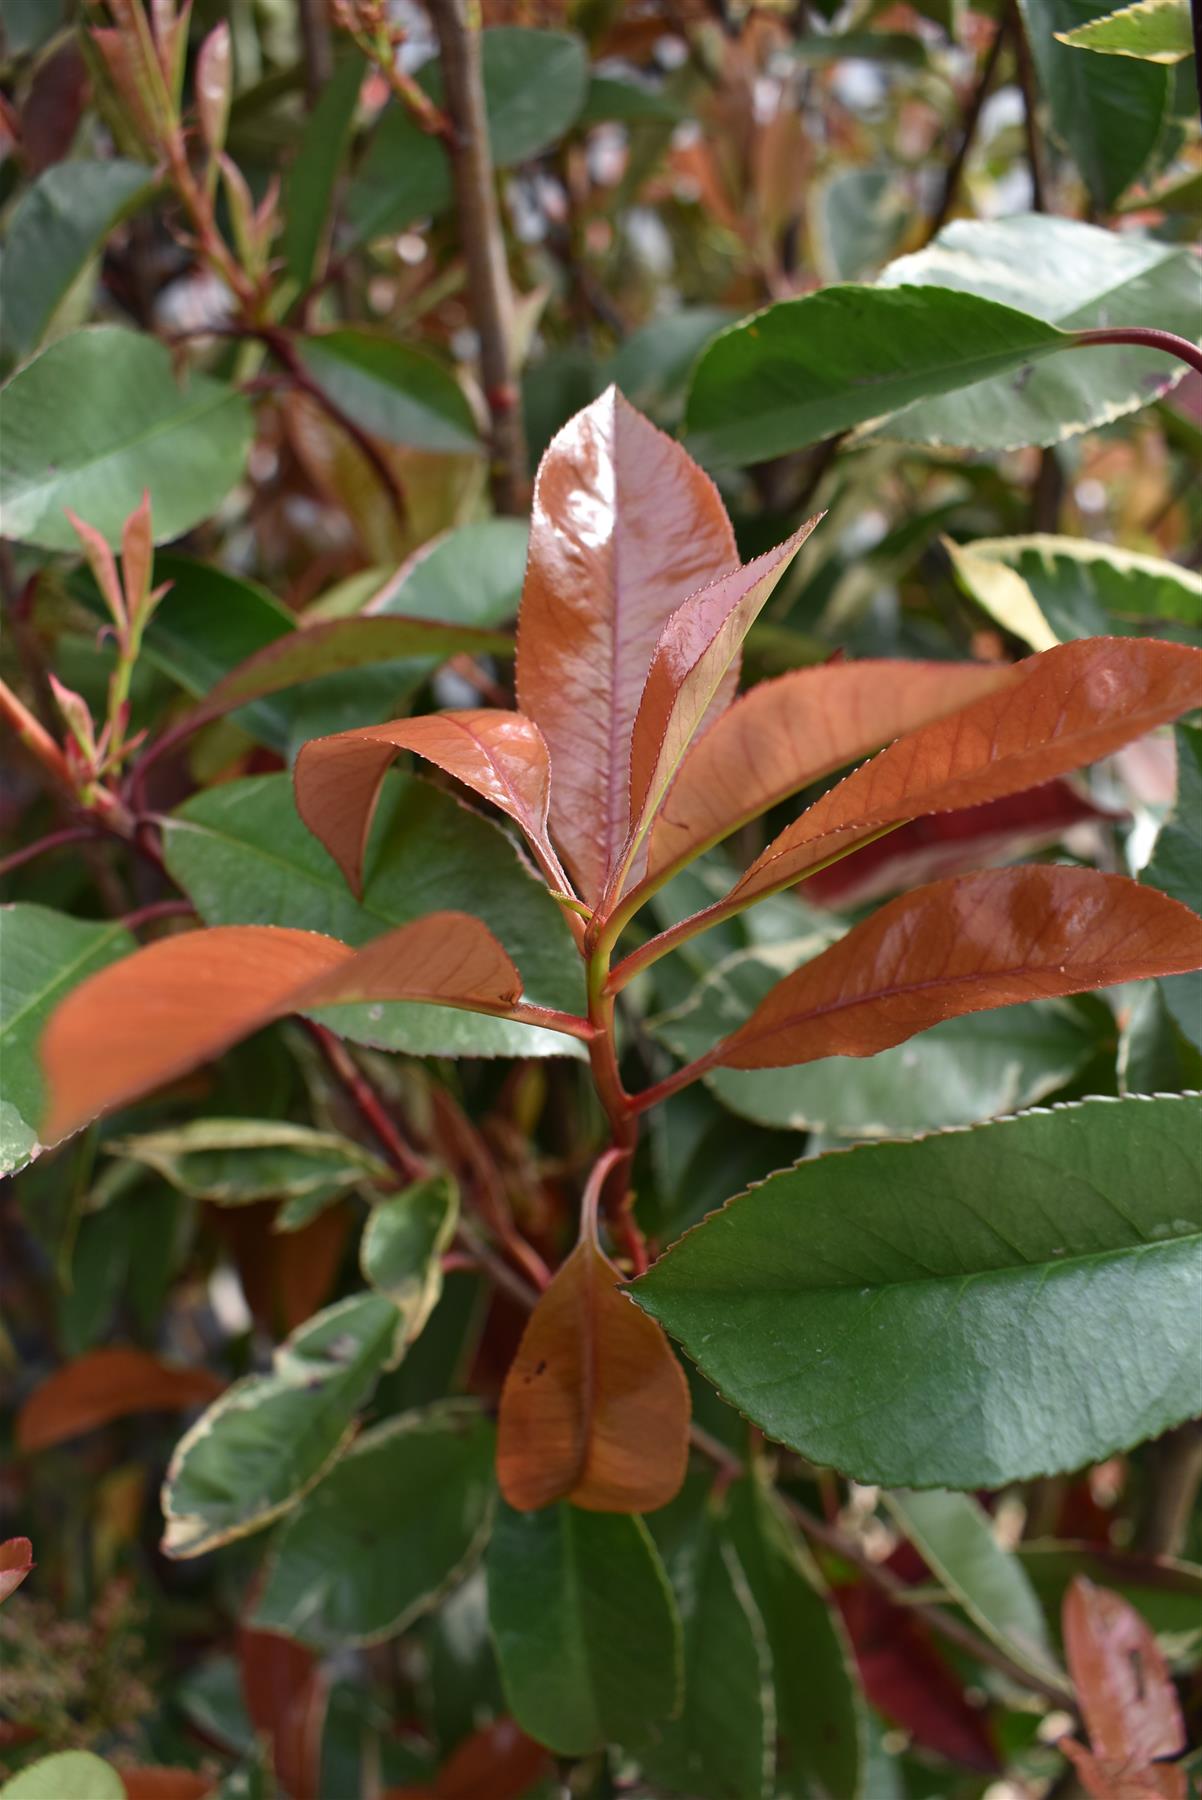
column 1176, row 868
column 234, row 1162
column 1048, row 590
column 535, row 84
column 820, row 1724
column 585, row 1628
column 43, row 955
column 57, row 224
column 958, row 1073
column 1070, row 275
column 1035, row 1282
column 392, row 390
column 309, row 184
column 471, row 576
column 1152, row 31
column 243, row 857
column 269, row 1438
column 804, row 369
column 1106, row 110
column 722, row 1746
column 71, row 1775
column 956, row 1539
column 402, row 1517
column 402, row 1248
column 97, row 418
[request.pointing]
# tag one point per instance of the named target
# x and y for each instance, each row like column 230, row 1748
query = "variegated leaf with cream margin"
column 401, row 1252
column 1073, row 276
column 1047, row 590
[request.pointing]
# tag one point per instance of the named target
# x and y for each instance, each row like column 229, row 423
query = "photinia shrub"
column 610, row 1206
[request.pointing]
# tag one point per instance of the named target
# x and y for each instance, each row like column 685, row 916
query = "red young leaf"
column 158, row 1783
column 907, row 1680
column 1127, row 1700
column 595, row 1407
column 105, row 1384
column 285, row 1694
column 498, row 1762
column 961, row 946
column 624, row 527
column 16, row 1560
column 697, row 647
column 783, row 734
column 1070, row 706
column 501, row 755
column 950, row 843
column 1106, row 1780
column 157, row 1014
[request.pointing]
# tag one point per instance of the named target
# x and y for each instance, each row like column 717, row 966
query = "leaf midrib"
column 961, row 1277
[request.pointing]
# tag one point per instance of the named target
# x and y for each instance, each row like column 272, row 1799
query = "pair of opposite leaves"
column 626, row 666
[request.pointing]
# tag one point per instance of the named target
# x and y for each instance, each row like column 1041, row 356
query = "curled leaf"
column 501, row 755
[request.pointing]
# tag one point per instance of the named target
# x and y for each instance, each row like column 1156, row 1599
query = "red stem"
column 55, row 840
column 408, row 1165
column 1146, row 335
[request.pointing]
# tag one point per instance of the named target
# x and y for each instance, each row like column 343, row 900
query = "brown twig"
column 315, row 47
column 54, row 840
column 1174, row 1475
column 407, row 1163
column 1026, row 86
column 968, row 131
column 490, row 296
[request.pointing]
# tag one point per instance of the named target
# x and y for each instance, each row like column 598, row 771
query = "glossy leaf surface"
column 1074, row 1231
column 960, row 946
column 99, row 416
column 1071, row 275
column 502, row 756
column 783, row 734
column 309, row 186
column 271, row 1437
column 43, row 956
column 243, row 856
column 595, row 1407
column 184, row 1000
column 697, row 649
column 1058, row 711
column 108, row 1383
column 401, row 1517
column 625, row 527
column 805, row 369
column 586, row 1631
